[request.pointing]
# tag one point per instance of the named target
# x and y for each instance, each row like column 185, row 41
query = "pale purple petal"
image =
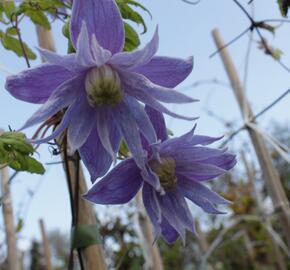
column 166, row 71
column 137, row 85
column 199, row 171
column 103, row 19
column 168, row 232
column 61, row 97
column 130, row 60
column 152, row 207
column 100, row 54
column 142, row 119
column 226, row 161
column 158, row 121
column 129, row 129
column 84, row 55
column 119, row 186
column 68, row 62
column 201, row 196
column 35, row 85
column 104, row 123
column 82, row 124
column 68, row 116
column 95, row 156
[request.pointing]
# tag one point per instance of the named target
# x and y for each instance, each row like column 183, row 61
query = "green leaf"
column 19, row 226
column 16, row 152
column 13, row 44
column 38, row 17
column 130, row 14
column 284, row 6
column 132, row 40
column 11, row 31
column 9, row 8
column 83, row 236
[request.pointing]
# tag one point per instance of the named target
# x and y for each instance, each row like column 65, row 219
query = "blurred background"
column 250, row 235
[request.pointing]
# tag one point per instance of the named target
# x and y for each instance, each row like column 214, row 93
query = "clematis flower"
column 183, row 165
column 101, row 87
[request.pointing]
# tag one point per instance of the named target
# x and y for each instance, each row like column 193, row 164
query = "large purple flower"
column 183, row 164
column 101, row 87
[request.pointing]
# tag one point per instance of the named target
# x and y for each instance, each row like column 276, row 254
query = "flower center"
column 166, row 172
column 103, row 86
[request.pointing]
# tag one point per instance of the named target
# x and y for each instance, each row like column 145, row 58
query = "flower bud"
column 166, row 172
column 103, row 86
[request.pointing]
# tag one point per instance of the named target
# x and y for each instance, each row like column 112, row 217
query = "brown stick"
column 7, row 209
column 152, row 257
column 272, row 179
column 46, row 247
column 93, row 255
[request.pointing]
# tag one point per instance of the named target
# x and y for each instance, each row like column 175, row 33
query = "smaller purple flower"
column 181, row 167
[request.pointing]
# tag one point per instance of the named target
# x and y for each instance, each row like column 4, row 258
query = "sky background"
column 184, row 30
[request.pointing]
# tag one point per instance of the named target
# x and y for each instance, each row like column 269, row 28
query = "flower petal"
column 119, row 186
column 35, row 85
column 142, row 119
column 130, row 131
column 199, row 171
column 61, row 97
column 166, row 71
column 137, row 84
column 158, row 121
column 168, row 232
column 129, row 60
column 82, row 124
column 103, row 19
column 95, row 156
column 201, row 196
column 226, row 161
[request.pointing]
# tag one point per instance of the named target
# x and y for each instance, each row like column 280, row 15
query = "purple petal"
column 84, row 55
column 70, row 113
column 158, row 121
column 130, row 131
column 68, row 62
column 152, row 207
column 100, row 54
column 168, row 232
column 119, row 186
column 226, row 161
column 35, row 85
column 142, row 119
column 199, row 171
column 95, row 156
column 201, row 196
column 103, row 128
column 103, row 19
column 137, row 85
column 175, row 209
column 82, row 124
column 129, row 60
column 61, row 97
column 166, row 71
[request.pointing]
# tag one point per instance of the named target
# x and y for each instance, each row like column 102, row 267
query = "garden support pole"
column 12, row 253
column 272, row 179
column 93, row 255
column 45, row 243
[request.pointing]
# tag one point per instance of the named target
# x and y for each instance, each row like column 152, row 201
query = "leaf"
column 38, row 17
column 284, row 6
column 132, row 40
column 16, row 152
column 83, row 236
column 13, row 44
column 9, row 8
column 130, row 14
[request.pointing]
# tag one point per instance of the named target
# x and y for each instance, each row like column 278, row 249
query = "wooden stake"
column 272, row 179
column 7, row 209
column 45, row 244
column 151, row 252
column 93, row 255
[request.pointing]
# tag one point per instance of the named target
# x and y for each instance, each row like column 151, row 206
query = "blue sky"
column 184, row 30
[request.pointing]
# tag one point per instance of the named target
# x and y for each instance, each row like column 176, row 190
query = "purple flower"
column 183, row 164
column 101, row 87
